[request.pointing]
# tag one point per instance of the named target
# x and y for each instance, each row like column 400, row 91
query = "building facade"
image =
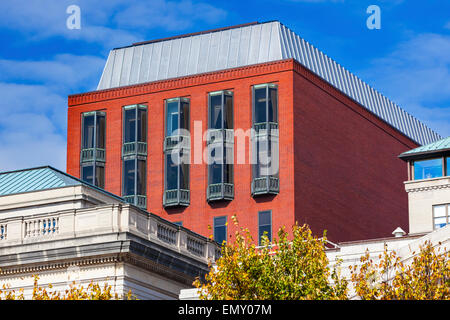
column 267, row 128
column 65, row 231
column 428, row 201
column 428, row 186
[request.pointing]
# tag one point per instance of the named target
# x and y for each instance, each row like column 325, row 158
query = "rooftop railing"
column 103, row 220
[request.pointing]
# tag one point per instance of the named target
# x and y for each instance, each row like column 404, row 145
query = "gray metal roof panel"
column 246, row 45
column 41, row 178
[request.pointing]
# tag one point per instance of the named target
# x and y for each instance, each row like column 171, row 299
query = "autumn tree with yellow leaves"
column 297, row 268
column 288, row 268
column 426, row 277
column 93, row 291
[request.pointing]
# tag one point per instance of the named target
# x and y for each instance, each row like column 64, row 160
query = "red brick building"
column 336, row 139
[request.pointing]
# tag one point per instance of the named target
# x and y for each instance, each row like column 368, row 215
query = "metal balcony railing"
column 92, row 154
column 176, row 197
column 134, row 148
column 220, row 191
column 265, row 185
column 219, row 136
column 138, row 200
column 177, row 142
column 266, row 128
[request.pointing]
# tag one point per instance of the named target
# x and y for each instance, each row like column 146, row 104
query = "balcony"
column 137, row 200
column 134, row 149
column 176, row 197
column 177, row 142
column 266, row 128
column 265, row 185
column 92, row 154
column 220, row 191
column 220, row 136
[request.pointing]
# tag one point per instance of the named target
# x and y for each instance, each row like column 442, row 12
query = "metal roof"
column 438, row 146
column 40, row 178
column 246, row 45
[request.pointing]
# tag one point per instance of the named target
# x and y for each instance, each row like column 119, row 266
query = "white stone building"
column 65, row 230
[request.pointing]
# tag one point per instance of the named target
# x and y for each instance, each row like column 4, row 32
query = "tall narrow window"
column 92, row 156
column 220, row 229
column 134, row 155
column 264, row 225
column 176, row 153
column 265, row 151
column 220, row 144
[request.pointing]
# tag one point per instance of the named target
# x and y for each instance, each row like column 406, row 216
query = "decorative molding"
column 182, row 82
column 429, row 188
column 130, row 258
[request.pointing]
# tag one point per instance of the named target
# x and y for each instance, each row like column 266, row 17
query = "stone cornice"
column 130, row 258
column 428, row 188
column 181, row 82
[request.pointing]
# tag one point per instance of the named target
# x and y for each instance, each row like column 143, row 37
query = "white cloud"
column 416, row 76
column 62, row 71
column 33, row 108
column 170, row 15
column 112, row 23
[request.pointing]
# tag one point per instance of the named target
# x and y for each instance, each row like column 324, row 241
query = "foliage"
column 427, row 276
column 287, row 268
column 91, row 292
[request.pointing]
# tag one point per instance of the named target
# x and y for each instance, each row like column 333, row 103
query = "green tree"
column 426, row 277
column 291, row 268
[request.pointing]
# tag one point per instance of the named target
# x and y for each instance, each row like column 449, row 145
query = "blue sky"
column 42, row 61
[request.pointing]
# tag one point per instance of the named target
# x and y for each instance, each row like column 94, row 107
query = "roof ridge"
column 186, row 35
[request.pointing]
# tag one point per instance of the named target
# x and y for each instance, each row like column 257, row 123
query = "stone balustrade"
column 101, row 220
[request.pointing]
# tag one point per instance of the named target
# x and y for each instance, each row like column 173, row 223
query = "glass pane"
column 220, row 229
column 426, row 169
column 142, row 125
column 172, row 117
column 101, row 131
column 87, row 173
column 265, row 225
column 184, row 120
column 171, row 173
column 439, row 211
column 88, row 132
column 128, row 177
column 273, row 105
column 100, row 176
column 440, row 222
column 129, row 132
column 228, row 168
column 184, row 176
column 228, row 111
column 141, row 177
column 215, row 173
column 215, row 111
column 265, row 218
column 261, row 156
column 448, row 166
column 260, row 105
column 267, row 230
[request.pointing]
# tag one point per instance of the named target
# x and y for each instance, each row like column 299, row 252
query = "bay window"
column 92, row 156
column 265, row 150
column 134, row 155
column 176, row 153
column 220, row 144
